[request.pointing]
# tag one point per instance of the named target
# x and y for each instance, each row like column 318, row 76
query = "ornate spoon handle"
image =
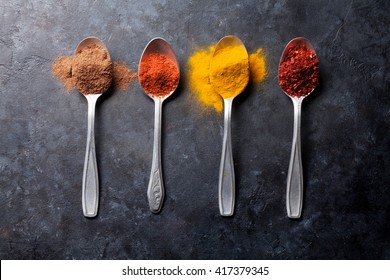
column 156, row 184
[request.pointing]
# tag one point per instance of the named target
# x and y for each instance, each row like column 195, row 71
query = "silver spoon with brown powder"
column 92, row 70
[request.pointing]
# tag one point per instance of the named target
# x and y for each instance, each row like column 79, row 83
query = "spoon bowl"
column 226, row 182
column 296, row 42
column 299, row 41
column 158, row 46
column 228, row 41
column 87, row 42
column 84, row 44
column 156, row 192
column 90, row 184
column 294, row 191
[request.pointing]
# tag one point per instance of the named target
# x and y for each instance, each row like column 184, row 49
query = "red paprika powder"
column 298, row 72
column 158, row 75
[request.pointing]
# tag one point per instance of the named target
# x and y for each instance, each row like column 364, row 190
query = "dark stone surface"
column 345, row 136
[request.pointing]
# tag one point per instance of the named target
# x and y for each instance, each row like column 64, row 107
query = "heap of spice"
column 199, row 71
column 198, row 74
column 298, row 71
column 158, row 75
column 63, row 69
column 229, row 71
column 92, row 69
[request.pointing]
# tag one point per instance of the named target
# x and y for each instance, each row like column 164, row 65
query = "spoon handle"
column 294, row 197
column 156, row 185
column 226, row 185
column 90, row 188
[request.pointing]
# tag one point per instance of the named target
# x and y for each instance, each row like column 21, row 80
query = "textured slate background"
column 345, row 136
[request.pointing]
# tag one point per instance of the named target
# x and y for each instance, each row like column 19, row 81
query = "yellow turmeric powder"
column 199, row 64
column 257, row 66
column 199, row 70
column 229, row 71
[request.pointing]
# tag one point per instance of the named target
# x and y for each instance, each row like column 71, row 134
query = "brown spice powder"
column 62, row 68
column 92, row 70
column 123, row 76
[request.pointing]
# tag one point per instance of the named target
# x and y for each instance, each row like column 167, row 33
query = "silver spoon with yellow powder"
column 229, row 75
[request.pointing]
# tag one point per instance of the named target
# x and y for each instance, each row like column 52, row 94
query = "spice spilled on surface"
column 299, row 71
column 62, row 68
column 257, row 66
column 158, row 75
column 123, row 76
column 199, row 70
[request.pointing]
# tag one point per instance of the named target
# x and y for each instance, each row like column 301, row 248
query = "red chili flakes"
column 298, row 72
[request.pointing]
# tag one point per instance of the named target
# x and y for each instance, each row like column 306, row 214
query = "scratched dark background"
column 345, row 136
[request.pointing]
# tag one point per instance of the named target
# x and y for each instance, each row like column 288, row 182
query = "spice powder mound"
column 92, row 70
column 62, row 67
column 298, row 72
column 158, row 75
column 199, row 70
column 229, row 71
column 198, row 76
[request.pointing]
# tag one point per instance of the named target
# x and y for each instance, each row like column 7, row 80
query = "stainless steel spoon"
column 294, row 195
column 226, row 184
column 90, row 186
column 156, row 191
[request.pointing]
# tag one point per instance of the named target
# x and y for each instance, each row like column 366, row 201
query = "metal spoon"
column 226, row 184
column 156, row 191
column 294, row 195
column 90, row 186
